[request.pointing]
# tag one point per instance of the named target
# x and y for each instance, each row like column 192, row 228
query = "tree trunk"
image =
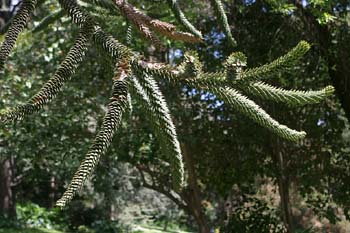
column 192, row 195
column 283, row 185
column 7, row 196
column 283, row 189
column 53, row 191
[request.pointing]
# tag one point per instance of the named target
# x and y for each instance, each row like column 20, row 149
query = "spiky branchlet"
column 111, row 121
column 165, row 137
column 129, row 35
column 154, row 105
column 293, row 98
column 220, row 12
column 140, row 20
column 144, row 23
column 234, row 65
column 72, row 8
column 110, row 45
column 280, row 64
column 254, row 112
column 55, row 84
column 191, row 66
column 177, row 74
column 180, row 16
column 17, row 26
column 157, row 70
column 234, row 74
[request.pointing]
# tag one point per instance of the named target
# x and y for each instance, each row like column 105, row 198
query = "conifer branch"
column 254, row 112
column 228, row 95
column 55, row 84
column 110, row 45
column 220, row 12
column 293, row 98
column 143, row 22
column 191, row 66
column 145, row 30
column 180, row 74
column 180, row 16
column 111, row 121
column 158, row 70
column 16, row 27
column 280, row 64
column 72, row 8
column 156, row 110
column 234, row 65
column 129, row 34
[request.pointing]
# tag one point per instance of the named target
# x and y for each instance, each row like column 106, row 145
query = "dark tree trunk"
column 283, row 180
column 283, row 189
column 52, row 193
column 192, row 195
column 7, row 196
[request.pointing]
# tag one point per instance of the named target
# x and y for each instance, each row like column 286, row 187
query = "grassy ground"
column 136, row 229
column 41, row 230
column 155, row 229
column 32, row 230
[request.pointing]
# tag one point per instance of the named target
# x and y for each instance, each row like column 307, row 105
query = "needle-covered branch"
column 180, row 16
column 250, row 109
column 111, row 121
column 156, row 110
column 293, row 98
column 17, row 26
column 143, row 22
column 279, row 65
column 72, row 8
column 220, row 12
column 218, row 83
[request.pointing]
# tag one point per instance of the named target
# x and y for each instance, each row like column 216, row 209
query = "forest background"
column 241, row 177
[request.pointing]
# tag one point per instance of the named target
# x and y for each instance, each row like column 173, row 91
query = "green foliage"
column 109, row 227
column 30, row 215
column 34, row 230
column 282, row 6
column 48, row 20
column 253, row 216
column 33, row 216
column 55, row 84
